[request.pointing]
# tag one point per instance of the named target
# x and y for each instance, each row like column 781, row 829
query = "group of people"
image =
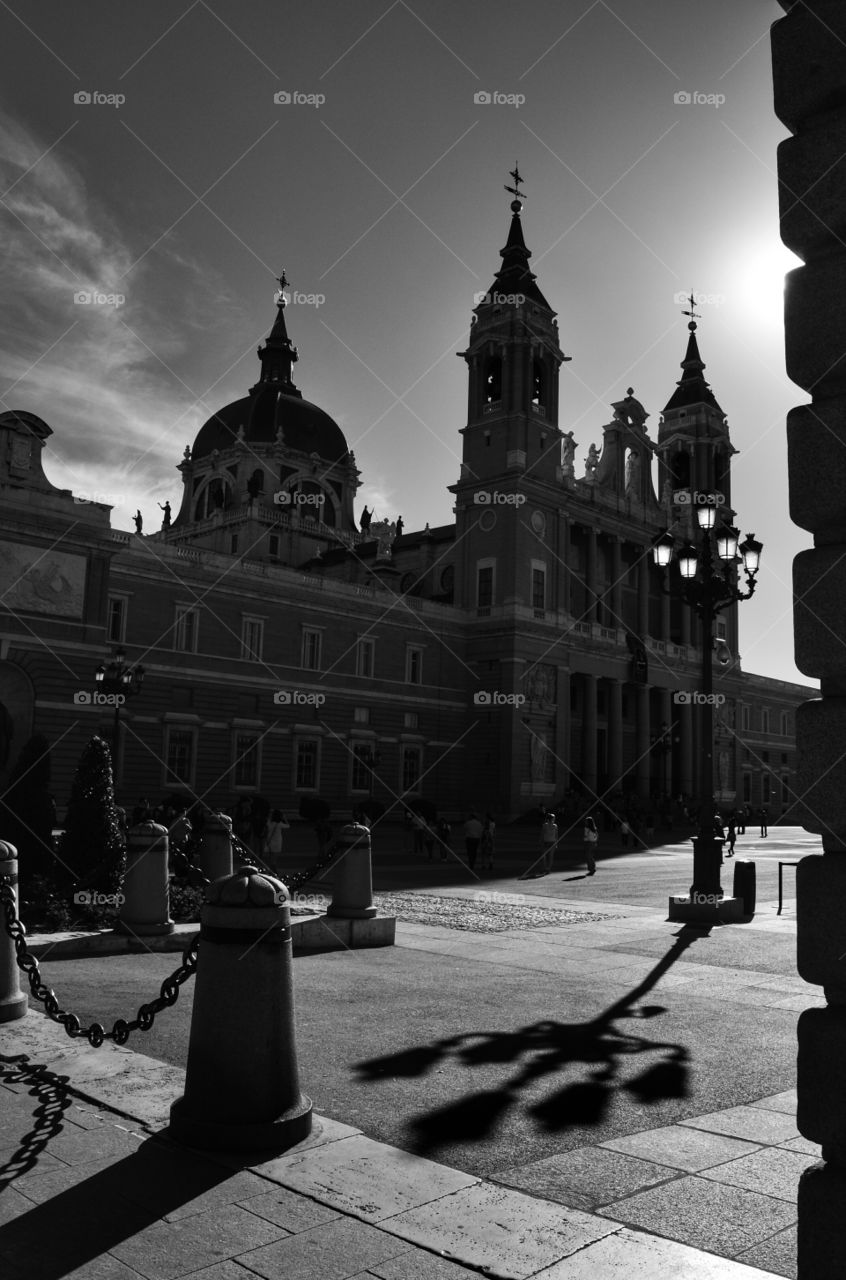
column 735, row 825
column 550, row 837
column 433, row 836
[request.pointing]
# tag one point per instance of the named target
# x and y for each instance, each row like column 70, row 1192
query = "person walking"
column 731, row 833
column 472, row 837
column 444, row 838
column 590, row 836
column 272, row 840
column 486, row 845
column 548, row 841
column 625, row 830
column 429, row 840
column 764, row 815
column 419, row 826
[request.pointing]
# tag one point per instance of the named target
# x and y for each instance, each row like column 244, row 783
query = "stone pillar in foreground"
column 809, row 75
column 216, row 846
column 352, row 875
column 145, row 909
column 242, row 1088
column 13, row 1001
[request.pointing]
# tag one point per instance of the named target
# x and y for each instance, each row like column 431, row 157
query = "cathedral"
column 291, row 649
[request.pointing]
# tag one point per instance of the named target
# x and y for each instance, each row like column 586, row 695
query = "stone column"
column 643, row 596
column 590, row 575
column 666, row 781
column 563, row 775
column 642, row 750
column 615, row 733
column 809, row 74
column 616, row 582
column 589, row 683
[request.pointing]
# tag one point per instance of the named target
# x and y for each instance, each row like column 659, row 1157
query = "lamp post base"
column 705, row 908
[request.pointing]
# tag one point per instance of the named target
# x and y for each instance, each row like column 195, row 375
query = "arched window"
column 216, row 496
column 538, row 384
column 493, row 380
column 680, row 470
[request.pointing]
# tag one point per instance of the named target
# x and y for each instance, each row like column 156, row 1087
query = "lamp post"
column 708, row 585
column 121, row 682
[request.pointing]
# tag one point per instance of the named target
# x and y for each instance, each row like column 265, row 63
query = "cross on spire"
column 694, row 315
column 518, row 181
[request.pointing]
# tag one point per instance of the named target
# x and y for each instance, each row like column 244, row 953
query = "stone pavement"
column 93, row 1190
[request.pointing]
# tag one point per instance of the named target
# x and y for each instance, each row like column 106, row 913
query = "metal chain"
column 292, row 883
column 96, row 1033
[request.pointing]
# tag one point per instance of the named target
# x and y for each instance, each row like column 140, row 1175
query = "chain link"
column 292, row 883
column 96, row 1033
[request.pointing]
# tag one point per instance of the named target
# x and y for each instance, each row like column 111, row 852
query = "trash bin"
column 744, row 885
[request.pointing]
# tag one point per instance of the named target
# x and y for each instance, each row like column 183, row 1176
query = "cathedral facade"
column 528, row 650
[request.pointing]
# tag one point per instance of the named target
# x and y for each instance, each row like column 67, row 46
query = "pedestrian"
column 731, row 832
column 625, row 829
column 429, row 840
column 419, row 827
column 472, row 836
column 764, row 816
column 272, row 841
column 548, row 841
column 486, row 845
column 591, row 840
column 444, row 838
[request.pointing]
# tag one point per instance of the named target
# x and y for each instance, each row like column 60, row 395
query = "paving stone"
column 82, row 1146
column 586, row 1177
column 777, row 1254
column 804, row 1145
column 772, row 1171
column 705, row 1214
column 12, row 1205
column 12, row 1160
column 323, row 1131
column 418, row 1264
column 337, row 1251
column 40, row 1187
column 754, row 1124
column 289, row 1210
column 497, row 1229
column 169, row 1249
column 630, row 1255
column 785, row 1102
column 367, row 1178
column 228, row 1270
column 107, row 1267
column 681, row 1147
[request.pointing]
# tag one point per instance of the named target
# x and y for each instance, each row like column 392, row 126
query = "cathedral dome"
column 262, row 414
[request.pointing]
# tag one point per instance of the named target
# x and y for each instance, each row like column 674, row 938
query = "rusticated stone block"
column 821, row 768
column 821, row 920
column 821, row 1251
column 821, row 1076
column 819, row 612
column 815, row 321
column 816, row 447
column 812, row 211
column 809, row 61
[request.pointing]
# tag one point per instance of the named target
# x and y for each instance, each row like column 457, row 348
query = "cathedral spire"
column 278, row 354
column 692, row 388
column 514, row 279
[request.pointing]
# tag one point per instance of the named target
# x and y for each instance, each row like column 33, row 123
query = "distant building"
column 526, row 651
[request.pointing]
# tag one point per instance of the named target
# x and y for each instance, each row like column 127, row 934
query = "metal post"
column 707, row 848
column 13, row 1002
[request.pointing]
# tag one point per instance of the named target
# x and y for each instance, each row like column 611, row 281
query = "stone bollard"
column 13, row 1002
column 216, row 846
column 352, row 877
column 242, row 1088
column 146, row 898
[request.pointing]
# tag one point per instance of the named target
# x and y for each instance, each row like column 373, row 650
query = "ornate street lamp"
column 709, row 584
column 115, row 678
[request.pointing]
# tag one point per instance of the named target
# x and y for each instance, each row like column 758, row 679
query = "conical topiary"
column 91, row 851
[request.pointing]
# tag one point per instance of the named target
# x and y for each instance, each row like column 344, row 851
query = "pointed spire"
column 692, row 388
column 514, row 277
column 278, row 355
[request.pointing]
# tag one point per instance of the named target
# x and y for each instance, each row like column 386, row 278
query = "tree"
column 91, row 850
column 26, row 809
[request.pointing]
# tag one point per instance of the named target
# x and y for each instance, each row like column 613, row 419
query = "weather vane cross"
column 694, row 315
column 282, row 279
column 515, row 190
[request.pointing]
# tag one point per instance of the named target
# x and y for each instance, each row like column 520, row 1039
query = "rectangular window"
column 361, row 715
column 784, row 729
column 312, row 647
column 413, row 665
column 747, row 788
column 365, row 657
column 745, row 718
column 765, row 786
column 410, row 720
column 116, row 624
column 273, row 545
column 539, row 589
column 186, row 629
column 361, row 767
column 484, row 587
column 180, row 756
column 720, row 628
column 307, row 766
column 411, row 769
column 252, row 639
column 765, row 720
column 247, row 760
column 233, row 543
column 785, row 790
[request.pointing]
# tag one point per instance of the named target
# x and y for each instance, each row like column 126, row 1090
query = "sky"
column 160, row 164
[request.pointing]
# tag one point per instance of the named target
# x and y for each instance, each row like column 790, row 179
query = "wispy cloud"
column 106, row 374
